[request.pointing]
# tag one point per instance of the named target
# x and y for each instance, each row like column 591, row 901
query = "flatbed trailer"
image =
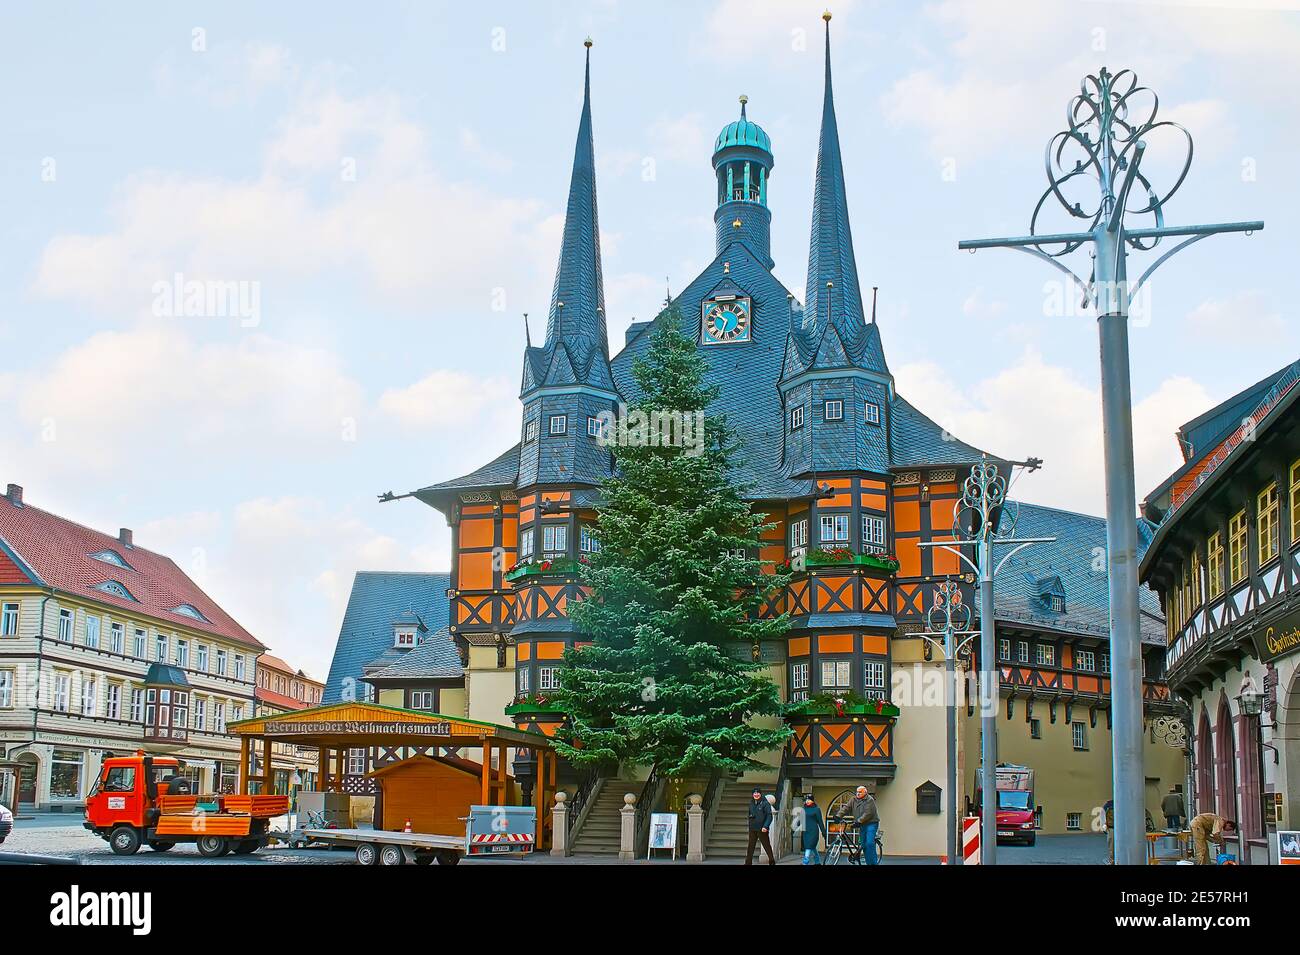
column 489, row 831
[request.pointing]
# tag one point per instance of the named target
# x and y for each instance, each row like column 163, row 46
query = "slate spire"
column 833, row 296
column 578, row 299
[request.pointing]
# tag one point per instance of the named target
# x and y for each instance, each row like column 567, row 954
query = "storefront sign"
column 1279, row 638
column 355, row 728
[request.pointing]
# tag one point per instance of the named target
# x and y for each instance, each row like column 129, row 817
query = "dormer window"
column 116, row 589
column 110, row 556
column 1055, row 603
column 404, row 639
column 191, row 611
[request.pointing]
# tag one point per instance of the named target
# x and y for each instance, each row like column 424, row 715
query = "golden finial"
column 743, row 99
column 587, row 43
column 827, row 16
column 736, row 223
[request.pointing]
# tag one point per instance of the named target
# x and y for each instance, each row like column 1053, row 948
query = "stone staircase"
column 730, row 833
column 599, row 834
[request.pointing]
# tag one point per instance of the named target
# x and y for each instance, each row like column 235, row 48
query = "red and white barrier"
column 970, row 840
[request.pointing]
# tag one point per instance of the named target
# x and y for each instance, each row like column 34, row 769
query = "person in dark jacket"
column 1172, row 807
column 867, row 816
column 760, row 821
column 814, row 830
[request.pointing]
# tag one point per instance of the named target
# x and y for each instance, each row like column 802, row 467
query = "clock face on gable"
column 726, row 320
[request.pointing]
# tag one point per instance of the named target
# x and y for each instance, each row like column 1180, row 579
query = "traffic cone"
column 407, row 827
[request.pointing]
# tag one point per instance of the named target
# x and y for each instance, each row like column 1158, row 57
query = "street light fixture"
column 949, row 617
column 1102, row 151
column 983, row 517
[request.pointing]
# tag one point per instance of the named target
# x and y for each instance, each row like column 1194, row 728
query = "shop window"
column 66, row 770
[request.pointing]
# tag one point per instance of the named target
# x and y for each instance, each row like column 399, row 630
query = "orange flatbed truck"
column 140, row 800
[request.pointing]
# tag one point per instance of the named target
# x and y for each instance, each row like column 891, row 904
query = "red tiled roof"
column 264, row 695
column 58, row 551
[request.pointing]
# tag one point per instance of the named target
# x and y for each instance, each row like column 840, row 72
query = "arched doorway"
column 1204, row 764
column 31, row 767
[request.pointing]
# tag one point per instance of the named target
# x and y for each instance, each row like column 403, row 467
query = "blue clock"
column 726, row 320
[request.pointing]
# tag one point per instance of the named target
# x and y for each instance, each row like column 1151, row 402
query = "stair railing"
column 644, row 806
column 583, row 799
column 711, row 801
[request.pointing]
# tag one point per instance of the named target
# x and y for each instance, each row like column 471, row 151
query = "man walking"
column 760, row 821
column 1207, row 828
column 867, row 816
column 1172, row 807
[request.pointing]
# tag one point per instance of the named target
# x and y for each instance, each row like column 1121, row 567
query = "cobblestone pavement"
column 61, row 834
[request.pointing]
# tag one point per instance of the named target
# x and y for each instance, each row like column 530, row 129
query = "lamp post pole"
column 975, row 522
column 1102, row 149
column 949, row 618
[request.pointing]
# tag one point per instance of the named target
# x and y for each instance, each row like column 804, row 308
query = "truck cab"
column 1016, row 812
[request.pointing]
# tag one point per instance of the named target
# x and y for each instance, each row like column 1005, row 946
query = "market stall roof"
column 348, row 725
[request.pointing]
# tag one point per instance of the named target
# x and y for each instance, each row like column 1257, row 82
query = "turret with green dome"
column 742, row 162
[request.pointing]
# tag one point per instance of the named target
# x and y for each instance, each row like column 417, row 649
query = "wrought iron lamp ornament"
column 1094, row 173
column 949, row 617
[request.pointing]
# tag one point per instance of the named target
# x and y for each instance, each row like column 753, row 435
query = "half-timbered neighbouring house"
column 1225, row 561
column 852, row 475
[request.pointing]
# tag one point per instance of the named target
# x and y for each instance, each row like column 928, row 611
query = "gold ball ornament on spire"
column 587, row 43
column 827, row 16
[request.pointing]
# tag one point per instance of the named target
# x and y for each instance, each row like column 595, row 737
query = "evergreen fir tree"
column 668, row 678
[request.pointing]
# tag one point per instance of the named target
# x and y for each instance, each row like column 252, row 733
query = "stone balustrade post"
column 627, row 829
column 560, row 826
column 695, row 828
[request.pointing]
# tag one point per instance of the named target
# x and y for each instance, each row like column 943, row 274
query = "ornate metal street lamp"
column 1093, row 167
column 983, row 517
column 949, row 618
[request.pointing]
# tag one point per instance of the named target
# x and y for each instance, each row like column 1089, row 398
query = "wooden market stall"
column 339, row 727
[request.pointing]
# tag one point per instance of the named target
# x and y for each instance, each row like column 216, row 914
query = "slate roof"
column 435, row 658
column 829, row 337
column 1072, row 566
column 56, row 552
column 1204, row 433
column 377, row 598
column 576, row 348
column 164, row 674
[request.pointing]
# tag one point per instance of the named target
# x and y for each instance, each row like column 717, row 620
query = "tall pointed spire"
column 577, row 314
column 833, row 294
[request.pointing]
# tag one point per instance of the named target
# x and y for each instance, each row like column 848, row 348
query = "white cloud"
column 1033, row 408
column 1240, row 321
column 135, row 397
column 446, row 397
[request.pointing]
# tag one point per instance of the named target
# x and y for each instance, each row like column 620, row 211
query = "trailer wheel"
column 213, row 847
column 161, row 846
column 392, row 855
column 448, row 857
column 424, row 858
column 367, row 854
column 124, row 841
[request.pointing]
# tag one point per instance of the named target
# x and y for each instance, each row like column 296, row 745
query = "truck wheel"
column 162, row 846
column 367, row 854
column 391, row 855
column 245, row 847
column 1031, row 840
column 448, row 857
column 124, row 841
column 213, row 847
column 424, row 858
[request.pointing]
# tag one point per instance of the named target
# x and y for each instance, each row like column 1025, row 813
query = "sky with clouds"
column 385, row 185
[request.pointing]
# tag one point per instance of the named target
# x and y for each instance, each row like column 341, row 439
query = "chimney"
column 15, row 494
column 124, row 535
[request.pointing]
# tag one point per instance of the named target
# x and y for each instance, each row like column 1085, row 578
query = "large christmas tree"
column 669, row 678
